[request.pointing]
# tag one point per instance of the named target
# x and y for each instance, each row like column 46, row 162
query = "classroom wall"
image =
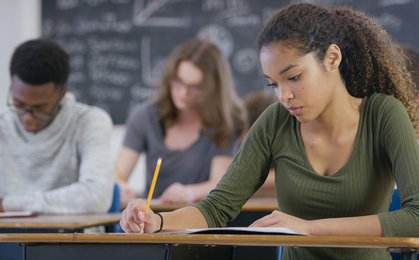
column 137, row 178
column 19, row 20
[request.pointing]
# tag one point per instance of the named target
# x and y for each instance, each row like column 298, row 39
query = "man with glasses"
column 54, row 155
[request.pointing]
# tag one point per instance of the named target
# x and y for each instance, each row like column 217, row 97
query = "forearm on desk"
column 350, row 226
column 187, row 217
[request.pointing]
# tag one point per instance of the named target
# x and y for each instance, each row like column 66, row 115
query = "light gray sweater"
column 64, row 168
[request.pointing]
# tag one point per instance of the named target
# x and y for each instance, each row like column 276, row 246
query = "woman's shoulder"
column 144, row 108
column 382, row 103
column 383, row 113
column 275, row 113
column 381, row 99
column 275, row 120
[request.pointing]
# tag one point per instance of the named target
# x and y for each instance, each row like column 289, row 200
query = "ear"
column 64, row 91
column 332, row 58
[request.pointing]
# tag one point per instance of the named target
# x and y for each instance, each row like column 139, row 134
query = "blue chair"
column 116, row 203
column 395, row 201
column 395, row 205
column 115, row 208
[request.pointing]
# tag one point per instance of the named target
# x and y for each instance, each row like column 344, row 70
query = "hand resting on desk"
column 280, row 219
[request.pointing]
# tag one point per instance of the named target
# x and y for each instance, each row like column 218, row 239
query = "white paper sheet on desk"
column 244, row 230
column 16, row 214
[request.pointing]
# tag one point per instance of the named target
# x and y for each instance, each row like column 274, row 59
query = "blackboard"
column 119, row 47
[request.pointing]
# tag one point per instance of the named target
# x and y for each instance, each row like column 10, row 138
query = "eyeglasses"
column 192, row 88
column 38, row 113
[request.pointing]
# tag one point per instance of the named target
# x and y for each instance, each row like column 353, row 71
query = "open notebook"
column 17, row 214
column 242, row 230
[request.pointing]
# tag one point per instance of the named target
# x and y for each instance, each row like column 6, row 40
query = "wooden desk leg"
column 408, row 254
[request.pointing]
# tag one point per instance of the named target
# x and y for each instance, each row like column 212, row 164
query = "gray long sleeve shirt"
column 64, row 168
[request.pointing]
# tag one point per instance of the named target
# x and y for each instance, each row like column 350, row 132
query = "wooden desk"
column 59, row 222
column 254, row 209
column 49, row 224
column 52, row 246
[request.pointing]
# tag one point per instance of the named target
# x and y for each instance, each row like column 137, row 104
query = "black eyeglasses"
column 192, row 88
column 37, row 113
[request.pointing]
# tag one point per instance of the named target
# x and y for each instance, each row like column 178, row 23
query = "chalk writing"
column 118, row 48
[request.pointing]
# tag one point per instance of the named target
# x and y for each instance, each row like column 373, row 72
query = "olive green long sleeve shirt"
column 385, row 152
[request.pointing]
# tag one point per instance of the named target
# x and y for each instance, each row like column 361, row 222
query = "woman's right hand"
column 134, row 218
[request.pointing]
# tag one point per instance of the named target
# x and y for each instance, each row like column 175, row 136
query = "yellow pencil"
column 153, row 184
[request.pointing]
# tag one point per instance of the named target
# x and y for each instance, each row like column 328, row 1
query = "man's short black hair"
column 39, row 62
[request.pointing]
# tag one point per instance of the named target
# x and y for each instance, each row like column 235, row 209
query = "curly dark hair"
column 371, row 61
column 412, row 64
column 40, row 61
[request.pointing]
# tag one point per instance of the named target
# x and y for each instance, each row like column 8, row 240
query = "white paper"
column 249, row 230
column 13, row 214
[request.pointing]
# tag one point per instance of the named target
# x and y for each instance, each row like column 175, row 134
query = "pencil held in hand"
column 151, row 191
column 153, row 184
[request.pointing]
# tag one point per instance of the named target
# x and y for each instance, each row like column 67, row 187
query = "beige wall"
column 19, row 21
column 137, row 179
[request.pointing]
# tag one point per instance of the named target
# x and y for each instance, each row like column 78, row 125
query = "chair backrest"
column 115, row 208
column 116, row 203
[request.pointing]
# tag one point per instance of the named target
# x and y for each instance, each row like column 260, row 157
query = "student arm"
column 125, row 163
column 348, row 226
column 134, row 215
column 219, row 166
column 179, row 193
column 401, row 147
